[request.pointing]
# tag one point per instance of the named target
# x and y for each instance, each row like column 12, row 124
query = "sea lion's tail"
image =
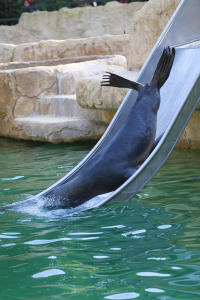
column 120, row 82
column 163, row 68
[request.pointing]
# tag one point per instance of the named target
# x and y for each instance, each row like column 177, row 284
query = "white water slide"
column 179, row 98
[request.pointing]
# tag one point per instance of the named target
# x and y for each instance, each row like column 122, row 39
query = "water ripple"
column 147, row 248
column 43, row 242
column 134, row 232
column 151, row 274
column 3, row 236
column 12, row 178
column 164, row 226
column 122, row 296
column 48, row 273
column 154, row 290
column 8, row 245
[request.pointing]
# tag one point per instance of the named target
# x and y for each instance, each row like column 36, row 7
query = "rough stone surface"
column 23, row 94
column 32, row 82
column 190, row 137
column 8, row 99
column 61, row 79
column 71, row 23
column 67, row 79
column 6, row 52
column 52, row 62
column 60, row 106
column 145, row 28
column 55, row 130
column 47, row 52
column 90, row 93
column 52, row 49
column 57, row 119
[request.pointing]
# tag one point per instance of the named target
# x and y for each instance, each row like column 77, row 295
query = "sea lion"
column 127, row 150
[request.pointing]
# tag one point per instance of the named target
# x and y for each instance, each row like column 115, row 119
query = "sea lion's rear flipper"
column 163, row 68
column 120, row 82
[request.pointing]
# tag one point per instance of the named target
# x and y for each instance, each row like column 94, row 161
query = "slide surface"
column 179, row 98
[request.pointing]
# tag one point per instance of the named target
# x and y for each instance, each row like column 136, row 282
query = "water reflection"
column 48, row 273
column 43, row 242
column 8, row 245
column 154, row 290
column 123, row 296
column 152, row 274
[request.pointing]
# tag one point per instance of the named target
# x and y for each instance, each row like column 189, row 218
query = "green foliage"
column 10, row 9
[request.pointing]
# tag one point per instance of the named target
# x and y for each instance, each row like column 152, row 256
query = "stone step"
column 59, row 106
column 52, row 62
column 56, row 106
column 30, row 85
column 56, row 129
column 90, row 94
column 65, row 106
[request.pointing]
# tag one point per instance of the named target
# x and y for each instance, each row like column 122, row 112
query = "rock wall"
column 53, row 49
column 146, row 26
column 111, row 19
column 190, row 137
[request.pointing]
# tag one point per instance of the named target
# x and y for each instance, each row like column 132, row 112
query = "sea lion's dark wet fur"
column 128, row 149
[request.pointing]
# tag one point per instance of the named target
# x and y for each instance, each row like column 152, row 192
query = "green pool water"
column 147, row 248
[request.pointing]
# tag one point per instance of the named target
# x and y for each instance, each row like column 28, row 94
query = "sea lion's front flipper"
column 120, row 82
column 163, row 68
